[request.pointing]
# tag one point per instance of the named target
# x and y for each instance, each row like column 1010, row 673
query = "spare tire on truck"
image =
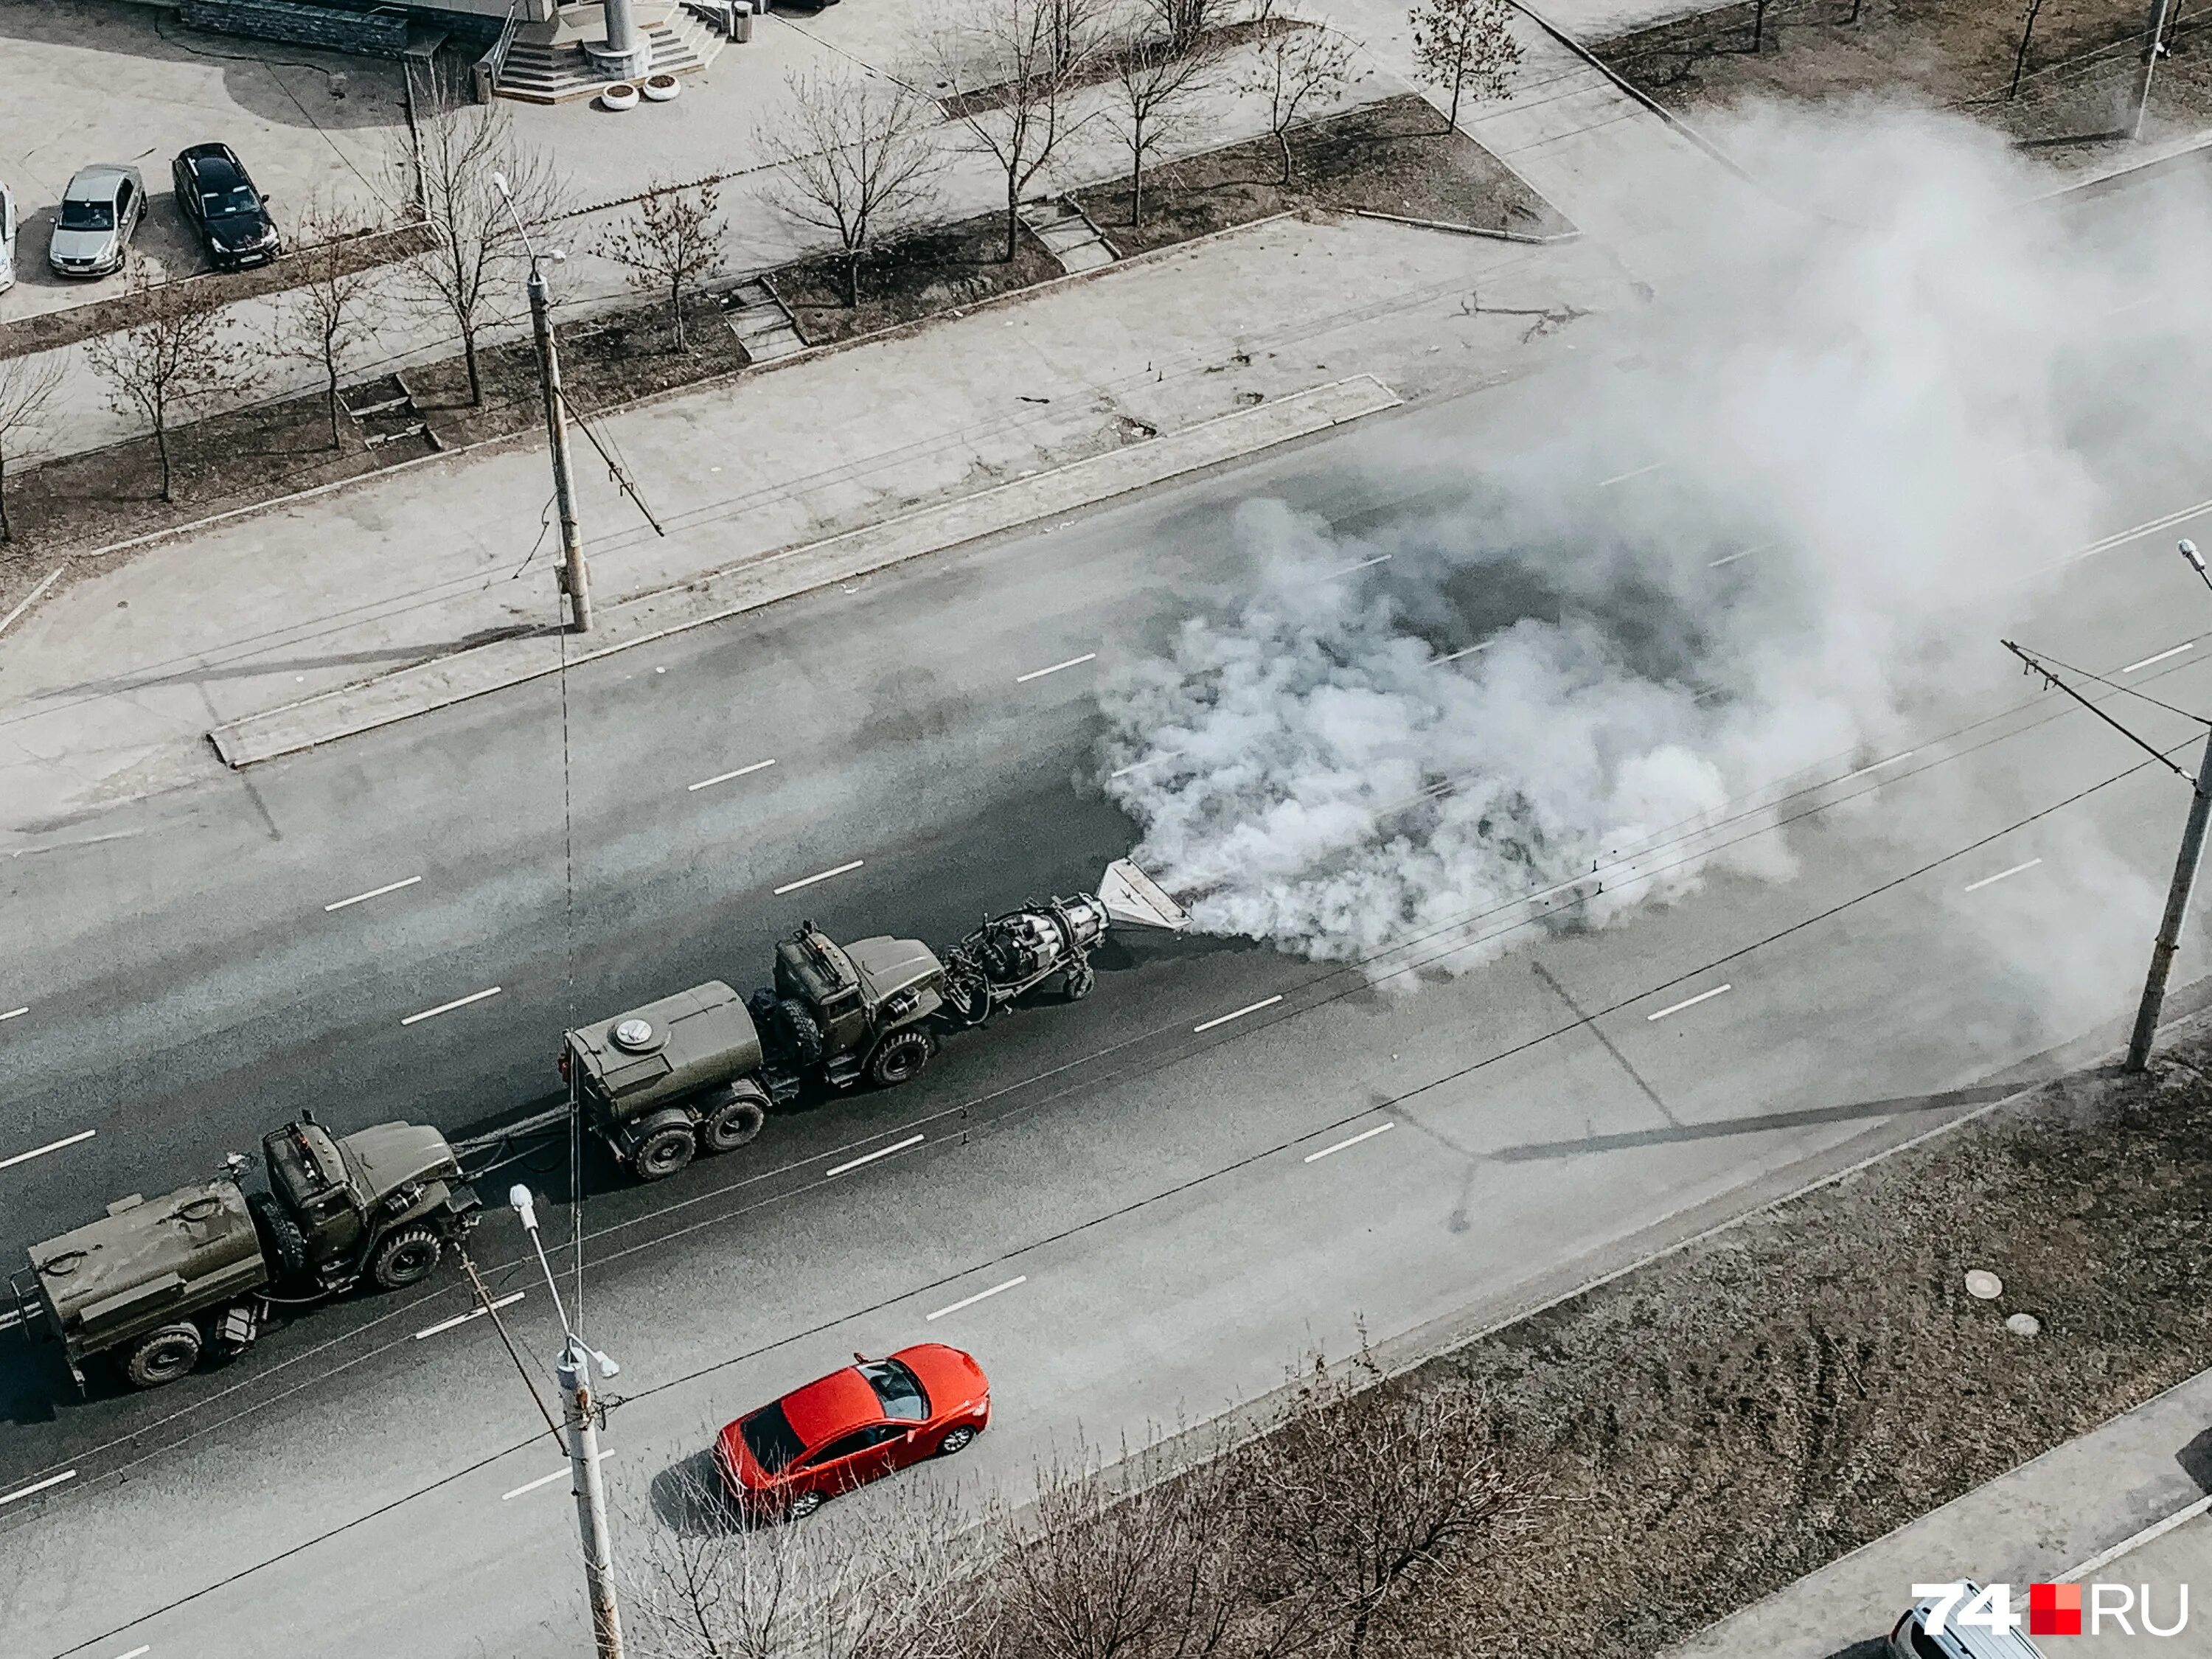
column 802, row 1032
column 281, row 1237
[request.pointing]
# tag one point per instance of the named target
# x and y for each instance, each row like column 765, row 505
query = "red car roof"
column 823, row 1409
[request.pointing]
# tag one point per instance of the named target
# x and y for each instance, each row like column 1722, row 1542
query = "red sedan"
column 853, row 1426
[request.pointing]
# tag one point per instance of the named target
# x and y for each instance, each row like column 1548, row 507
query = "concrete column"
column 625, row 53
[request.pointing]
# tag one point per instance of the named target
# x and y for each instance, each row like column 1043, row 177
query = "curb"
column 717, row 595
column 1472, row 230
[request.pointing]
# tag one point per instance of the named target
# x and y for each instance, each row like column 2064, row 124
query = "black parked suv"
column 218, row 197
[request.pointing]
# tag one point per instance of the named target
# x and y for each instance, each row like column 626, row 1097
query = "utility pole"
column 2153, row 46
column 581, row 1414
column 2168, row 942
column 2177, row 909
column 576, row 575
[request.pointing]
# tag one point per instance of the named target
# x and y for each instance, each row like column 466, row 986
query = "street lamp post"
column 2154, row 48
column 576, row 577
column 573, row 1372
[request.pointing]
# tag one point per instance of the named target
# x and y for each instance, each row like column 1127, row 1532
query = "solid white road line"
column 1741, row 553
column 1224, row 1018
column 1973, row 886
column 16, row 1013
column 1623, row 477
column 970, row 1301
column 138, row 1652
column 724, row 777
column 2121, row 538
column 1470, row 650
column 1365, row 564
column 448, row 1008
column 463, row 1319
column 2186, row 645
column 38, row 1485
column 808, row 881
column 2186, row 1513
column 51, row 1146
column 1365, row 1135
column 1702, row 996
column 1876, row 766
column 880, row 1152
column 605, row 1452
column 373, row 892
column 1039, row 673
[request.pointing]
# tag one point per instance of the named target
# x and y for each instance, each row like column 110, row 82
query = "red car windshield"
column 898, row 1390
column 768, row 1437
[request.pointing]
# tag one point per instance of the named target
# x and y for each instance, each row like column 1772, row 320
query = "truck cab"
column 857, row 1010
column 347, row 1198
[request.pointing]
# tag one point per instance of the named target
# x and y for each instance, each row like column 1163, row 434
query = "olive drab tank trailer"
column 698, row 1072
column 159, row 1282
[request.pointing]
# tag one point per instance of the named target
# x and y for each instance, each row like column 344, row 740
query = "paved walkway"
column 2055, row 1515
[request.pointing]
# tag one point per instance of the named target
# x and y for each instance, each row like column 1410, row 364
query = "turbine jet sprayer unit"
column 700, row 1071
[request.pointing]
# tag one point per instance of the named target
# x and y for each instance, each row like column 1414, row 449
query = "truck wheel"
column 900, row 1057
column 663, row 1150
column 733, row 1122
column 163, row 1356
column 406, row 1257
column 281, row 1237
column 1081, row 976
column 802, row 1032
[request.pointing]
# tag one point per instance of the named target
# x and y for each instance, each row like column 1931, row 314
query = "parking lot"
column 86, row 81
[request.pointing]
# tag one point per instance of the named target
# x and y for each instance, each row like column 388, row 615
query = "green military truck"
column 157, row 1282
column 700, row 1071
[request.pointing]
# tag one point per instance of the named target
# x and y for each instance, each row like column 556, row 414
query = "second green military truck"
column 700, row 1071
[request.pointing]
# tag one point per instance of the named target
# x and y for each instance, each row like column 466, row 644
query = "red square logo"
column 2054, row 1610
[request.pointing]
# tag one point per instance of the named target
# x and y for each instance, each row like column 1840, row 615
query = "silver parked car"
column 1913, row 1639
column 99, row 213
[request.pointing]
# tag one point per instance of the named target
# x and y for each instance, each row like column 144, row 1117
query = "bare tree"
column 1148, row 1559
column 181, row 355
column 1465, row 45
column 711, row 1587
column 672, row 242
column 327, row 318
column 854, row 158
column 2019, row 58
column 1363, row 1491
column 1297, row 69
column 1186, row 23
column 1156, row 83
column 462, row 144
column 27, row 385
column 1010, row 68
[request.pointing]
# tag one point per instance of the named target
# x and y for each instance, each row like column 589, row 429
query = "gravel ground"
column 2077, row 87
column 1712, row 1427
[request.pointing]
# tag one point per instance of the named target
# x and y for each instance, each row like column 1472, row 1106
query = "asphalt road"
column 1186, row 1211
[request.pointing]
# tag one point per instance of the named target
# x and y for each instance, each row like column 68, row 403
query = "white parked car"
column 7, row 239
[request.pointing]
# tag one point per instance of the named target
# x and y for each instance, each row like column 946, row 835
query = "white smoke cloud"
column 1879, row 390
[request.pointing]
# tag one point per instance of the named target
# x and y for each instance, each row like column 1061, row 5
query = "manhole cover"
column 2024, row 1324
column 1983, row 1284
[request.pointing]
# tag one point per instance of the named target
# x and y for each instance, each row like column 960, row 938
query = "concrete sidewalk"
column 2047, row 1518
